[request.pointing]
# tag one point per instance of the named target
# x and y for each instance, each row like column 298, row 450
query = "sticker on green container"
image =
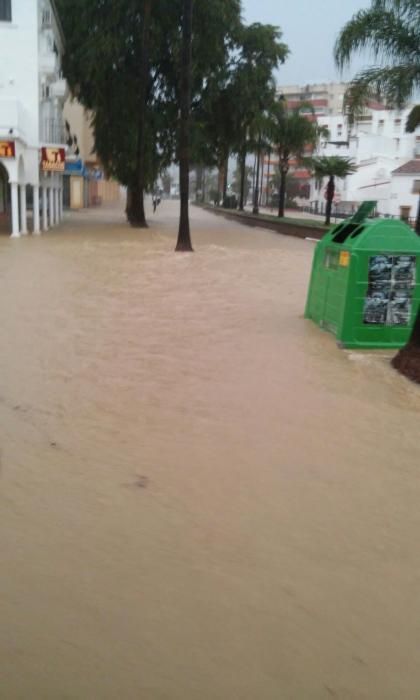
column 390, row 290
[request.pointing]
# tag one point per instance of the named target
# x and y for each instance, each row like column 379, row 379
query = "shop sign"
column 53, row 159
column 7, row 149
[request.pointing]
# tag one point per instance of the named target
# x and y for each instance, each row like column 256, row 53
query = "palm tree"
column 390, row 30
column 184, row 237
column 331, row 167
column 292, row 131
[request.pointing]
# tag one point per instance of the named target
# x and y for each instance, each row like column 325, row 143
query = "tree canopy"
column 130, row 80
column 390, row 31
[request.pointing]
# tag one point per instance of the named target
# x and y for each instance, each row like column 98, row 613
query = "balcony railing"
column 52, row 131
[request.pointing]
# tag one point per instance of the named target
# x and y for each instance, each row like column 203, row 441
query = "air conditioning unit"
column 46, row 18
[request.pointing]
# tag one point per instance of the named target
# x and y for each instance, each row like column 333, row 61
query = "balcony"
column 46, row 19
column 13, row 119
column 52, row 131
column 49, row 64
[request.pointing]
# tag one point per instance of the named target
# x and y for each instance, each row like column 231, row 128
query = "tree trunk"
column 225, row 179
column 135, row 207
column 128, row 203
column 136, row 214
column 330, row 197
column 253, row 177
column 268, row 178
column 243, row 174
column 184, row 237
column 198, row 182
column 255, row 209
column 203, row 192
column 220, row 181
column 282, row 191
column 262, row 180
column 407, row 361
column 418, row 218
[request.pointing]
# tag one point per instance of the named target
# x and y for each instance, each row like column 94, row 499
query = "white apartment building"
column 325, row 98
column 32, row 94
column 387, row 159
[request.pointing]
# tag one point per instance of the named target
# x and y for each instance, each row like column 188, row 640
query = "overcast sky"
column 310, row 28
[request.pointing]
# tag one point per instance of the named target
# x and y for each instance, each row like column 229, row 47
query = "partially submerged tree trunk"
column 330, row 197
column 128, row 204
column 136, row 214
column 407, row 361
column 220, row 181
column 243, row 175
column 282, row 190
column 203, row 192
column 255, row 209
column 184, row 237
column 135, row 207
column 199, row 171
column 262, row 180
column 225, row 180
column 268, row 178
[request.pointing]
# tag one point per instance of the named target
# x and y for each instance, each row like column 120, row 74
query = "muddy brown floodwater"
column 201, row 496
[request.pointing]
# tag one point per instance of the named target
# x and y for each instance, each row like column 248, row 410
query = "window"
column 381, row 125
column 5, row 10
column 397, row 144
column 339, row 130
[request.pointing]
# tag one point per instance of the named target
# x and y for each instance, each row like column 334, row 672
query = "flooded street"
column 201, row 496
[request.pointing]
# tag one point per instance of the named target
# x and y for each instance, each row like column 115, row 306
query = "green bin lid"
column 363, row 212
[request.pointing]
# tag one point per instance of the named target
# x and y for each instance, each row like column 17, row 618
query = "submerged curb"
column 298, row 230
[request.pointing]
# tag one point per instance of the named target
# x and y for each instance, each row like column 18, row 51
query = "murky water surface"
column 201, row 496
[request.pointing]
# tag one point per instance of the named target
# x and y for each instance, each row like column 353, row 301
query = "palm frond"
column 389, row 29
column 413, row 119
column 327, row 166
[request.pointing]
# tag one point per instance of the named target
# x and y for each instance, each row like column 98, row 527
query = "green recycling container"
column 365, row 282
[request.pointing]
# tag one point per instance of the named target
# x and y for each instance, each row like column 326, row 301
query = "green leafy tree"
column 130, row 79
column 292, row 131
column 261, row 52
column 390, row 30
column 110, row 74
column 331, row 167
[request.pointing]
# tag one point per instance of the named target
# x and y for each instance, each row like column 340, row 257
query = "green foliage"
column 330, row 166
column 292, row 131
column 413, row 119
column 390, row 31
column 231, row 81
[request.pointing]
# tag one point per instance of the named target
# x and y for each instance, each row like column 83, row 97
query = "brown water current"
column 201, row 496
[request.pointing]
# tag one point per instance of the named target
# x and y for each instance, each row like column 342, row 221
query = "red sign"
column 53, row 159
column 7, row 149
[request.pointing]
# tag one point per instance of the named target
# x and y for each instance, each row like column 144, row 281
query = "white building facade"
column 325, row 98
column 32, row 94
column 379, row 146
